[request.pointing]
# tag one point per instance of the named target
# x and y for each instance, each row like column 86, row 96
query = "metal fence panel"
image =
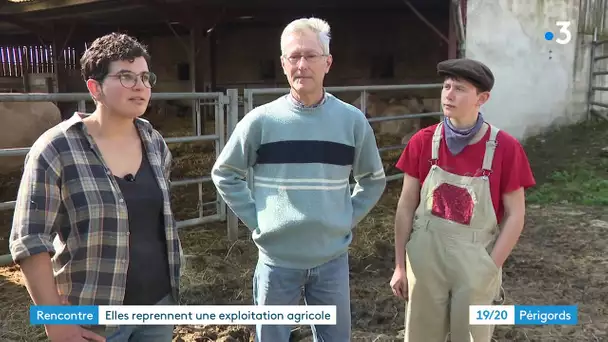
column 220, row 101
column 226, row 118
column 595, row 57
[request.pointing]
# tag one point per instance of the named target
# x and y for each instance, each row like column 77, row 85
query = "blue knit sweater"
column 301, row 210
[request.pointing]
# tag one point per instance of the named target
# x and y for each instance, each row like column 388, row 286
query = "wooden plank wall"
column 15, row 61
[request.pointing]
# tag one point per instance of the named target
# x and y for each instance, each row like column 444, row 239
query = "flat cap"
column 473, row 71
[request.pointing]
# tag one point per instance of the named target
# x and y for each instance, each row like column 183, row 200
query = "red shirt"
column 510, row 167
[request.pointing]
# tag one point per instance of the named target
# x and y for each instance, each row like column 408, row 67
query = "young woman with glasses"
column 93, row 223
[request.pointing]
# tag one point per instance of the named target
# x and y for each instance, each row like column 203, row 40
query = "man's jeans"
column 327, row 284
column 138, row 333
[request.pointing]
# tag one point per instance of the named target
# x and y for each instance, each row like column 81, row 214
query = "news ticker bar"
column 184, row 314
column 275, row 314
column 523, row 314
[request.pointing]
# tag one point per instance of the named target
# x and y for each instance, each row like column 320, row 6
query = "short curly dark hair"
column 112, row 47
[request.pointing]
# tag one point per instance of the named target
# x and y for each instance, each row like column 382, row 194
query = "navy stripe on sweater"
column 306, row 151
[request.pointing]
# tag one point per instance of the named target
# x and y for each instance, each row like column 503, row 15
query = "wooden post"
column 25, row 68
column 452, row 37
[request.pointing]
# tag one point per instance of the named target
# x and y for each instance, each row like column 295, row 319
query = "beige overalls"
column 448, row 262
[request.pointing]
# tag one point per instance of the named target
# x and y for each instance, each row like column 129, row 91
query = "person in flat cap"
column 460, row 213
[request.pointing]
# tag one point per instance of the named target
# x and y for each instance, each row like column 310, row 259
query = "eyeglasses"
column 129, row 79
column 309, row 58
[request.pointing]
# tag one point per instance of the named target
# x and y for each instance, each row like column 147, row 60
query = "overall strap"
column 490, row 148
column 436, row 143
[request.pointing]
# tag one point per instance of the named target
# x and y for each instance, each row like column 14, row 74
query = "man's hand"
column 71, row 333
column 399, row 283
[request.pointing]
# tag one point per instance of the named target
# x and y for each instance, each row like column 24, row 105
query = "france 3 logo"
column 564, row 35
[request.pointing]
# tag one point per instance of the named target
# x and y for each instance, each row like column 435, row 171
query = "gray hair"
column 316, row 25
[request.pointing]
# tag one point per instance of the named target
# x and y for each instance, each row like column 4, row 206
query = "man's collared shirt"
column 301, row 105
column 70, row 205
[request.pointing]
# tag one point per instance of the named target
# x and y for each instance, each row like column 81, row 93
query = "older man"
column 460, row 213
column 302, row 147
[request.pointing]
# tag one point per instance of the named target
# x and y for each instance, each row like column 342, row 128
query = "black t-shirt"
column 148, row 279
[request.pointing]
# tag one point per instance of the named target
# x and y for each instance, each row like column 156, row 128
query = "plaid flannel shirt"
column 70, row 205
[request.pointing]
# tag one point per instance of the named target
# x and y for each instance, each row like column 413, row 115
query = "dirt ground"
column 560, row 259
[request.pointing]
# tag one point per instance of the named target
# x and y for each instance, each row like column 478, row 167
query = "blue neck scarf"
column 458, row 139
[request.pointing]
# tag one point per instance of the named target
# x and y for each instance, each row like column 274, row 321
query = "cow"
column 22, row 124
column 403, row 128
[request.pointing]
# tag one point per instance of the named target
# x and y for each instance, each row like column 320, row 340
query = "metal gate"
column 597, row 46
column 226, row 117
column 226, row 105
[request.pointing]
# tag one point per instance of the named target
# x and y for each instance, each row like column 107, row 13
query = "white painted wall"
column 538, row 82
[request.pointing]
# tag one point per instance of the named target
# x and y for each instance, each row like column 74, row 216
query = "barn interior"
column 213, row 45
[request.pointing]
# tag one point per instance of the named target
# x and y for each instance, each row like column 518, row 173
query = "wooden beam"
column 226, row 19
column 330, row 14
column 172, row 12
column 82, row 14
column 34, row 6
column 424, row 20
column 41, row 31
column 87, row 33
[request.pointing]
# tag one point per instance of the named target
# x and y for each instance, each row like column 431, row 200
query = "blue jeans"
column 327, row 284
column 139, row 333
